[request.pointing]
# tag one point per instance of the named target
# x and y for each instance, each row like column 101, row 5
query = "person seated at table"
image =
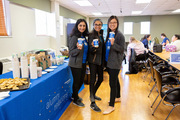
column 165, row 39
column 145, row 40
column 139, row 50
column 175, row 44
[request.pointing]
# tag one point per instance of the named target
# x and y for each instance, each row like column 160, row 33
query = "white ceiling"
column 114, row 7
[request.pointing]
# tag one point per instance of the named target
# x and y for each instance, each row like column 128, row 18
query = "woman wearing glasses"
column 95, row 59
column 115, row 42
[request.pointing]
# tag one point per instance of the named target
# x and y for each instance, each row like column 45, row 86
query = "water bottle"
column 15, row 66
column 24, row 66
column 33, row 68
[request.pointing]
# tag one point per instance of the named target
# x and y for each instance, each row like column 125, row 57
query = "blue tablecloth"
column 46, row 99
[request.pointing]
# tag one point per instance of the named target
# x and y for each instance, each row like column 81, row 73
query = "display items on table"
column 12, row 84
column 59, row 59
column 39, row 71
column 33, row 68
column 15, row 66
column 24, row 66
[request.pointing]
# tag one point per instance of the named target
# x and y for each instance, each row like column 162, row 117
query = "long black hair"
column 108, row 29
column 94, row 32
column 75, row 30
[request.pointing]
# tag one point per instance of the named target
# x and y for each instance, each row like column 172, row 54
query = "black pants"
column 114, row 85
column 94, row 84
column 78, row 79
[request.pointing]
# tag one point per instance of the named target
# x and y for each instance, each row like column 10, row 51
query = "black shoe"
column 79, row 98
column 95, row 107
column 78, row 103
column 97, row 98
column 127, row 72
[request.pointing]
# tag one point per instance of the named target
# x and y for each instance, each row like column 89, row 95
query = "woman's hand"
column 112, row 41
column 79, row 46
column 92, row 43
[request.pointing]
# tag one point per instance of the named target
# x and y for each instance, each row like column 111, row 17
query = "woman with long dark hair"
column 145, row 40
column 96, row 61
column 77, row 57
column 115, row 42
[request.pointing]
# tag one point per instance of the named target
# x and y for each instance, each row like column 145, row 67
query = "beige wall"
column 23, row 33
column 169, row 24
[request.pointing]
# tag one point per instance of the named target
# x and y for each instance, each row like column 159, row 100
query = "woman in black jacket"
column 114, row 56
column 77, row 57
column 95, row 59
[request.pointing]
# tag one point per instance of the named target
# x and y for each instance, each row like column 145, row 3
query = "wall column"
column 55, row 41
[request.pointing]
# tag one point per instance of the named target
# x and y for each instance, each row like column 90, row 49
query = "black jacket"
column 96, row 55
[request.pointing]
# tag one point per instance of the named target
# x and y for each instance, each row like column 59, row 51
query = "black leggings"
column 114, row 85
column 78, row 79
column 94, row 85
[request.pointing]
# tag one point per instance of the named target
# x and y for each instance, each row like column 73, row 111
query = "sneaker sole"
column 78, row 105
column 95, row 111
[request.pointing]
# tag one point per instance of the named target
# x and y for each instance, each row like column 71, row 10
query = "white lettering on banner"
column 68, row 81
column 52, row 101
column 57, row 101
column 63, row 98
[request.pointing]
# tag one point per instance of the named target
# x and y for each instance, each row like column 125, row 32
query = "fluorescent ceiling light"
column 143, row 1
column 83, row 3
column 136, row 12
column 97, row 13
column 176, row 11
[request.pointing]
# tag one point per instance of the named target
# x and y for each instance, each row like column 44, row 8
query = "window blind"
column 3, row 31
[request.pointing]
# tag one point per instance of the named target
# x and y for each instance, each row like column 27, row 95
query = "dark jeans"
column 114, row 85
column 78, row 79
column 94, row 84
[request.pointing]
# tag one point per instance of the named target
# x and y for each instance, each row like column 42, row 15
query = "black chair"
column 164, row 69
column 172, row 96
column 142, row 61
column 1, row 67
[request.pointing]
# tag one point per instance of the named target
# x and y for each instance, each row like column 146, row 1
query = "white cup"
column 96, row 44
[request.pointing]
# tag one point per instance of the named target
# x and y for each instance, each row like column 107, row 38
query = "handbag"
column 157, row 48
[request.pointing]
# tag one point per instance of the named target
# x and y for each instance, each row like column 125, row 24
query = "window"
column 5, row 23
column 72, row 21
column 45, row 23
column 128, row 27
column 61, row 25
column 145, row 27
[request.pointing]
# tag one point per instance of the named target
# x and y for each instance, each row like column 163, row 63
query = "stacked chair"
column 170, row 96
column 169, row 77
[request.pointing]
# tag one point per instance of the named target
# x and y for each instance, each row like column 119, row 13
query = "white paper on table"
column 4, row 95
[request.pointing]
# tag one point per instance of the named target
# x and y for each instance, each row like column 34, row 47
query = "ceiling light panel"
column 176, row 11
column 136, row 12
column 83, row 3
column 142, row 1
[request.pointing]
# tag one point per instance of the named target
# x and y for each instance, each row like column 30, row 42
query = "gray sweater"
column 116, row 52
column 75, row 55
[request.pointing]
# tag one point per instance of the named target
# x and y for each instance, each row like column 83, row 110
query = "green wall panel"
column 44, row 5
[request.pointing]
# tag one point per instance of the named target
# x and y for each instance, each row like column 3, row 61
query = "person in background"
column 96, row 62
column 165, row 39
column 176, row 42
column 113, row 58
column 139, row 49
column 77, row 58
column 145, row 40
